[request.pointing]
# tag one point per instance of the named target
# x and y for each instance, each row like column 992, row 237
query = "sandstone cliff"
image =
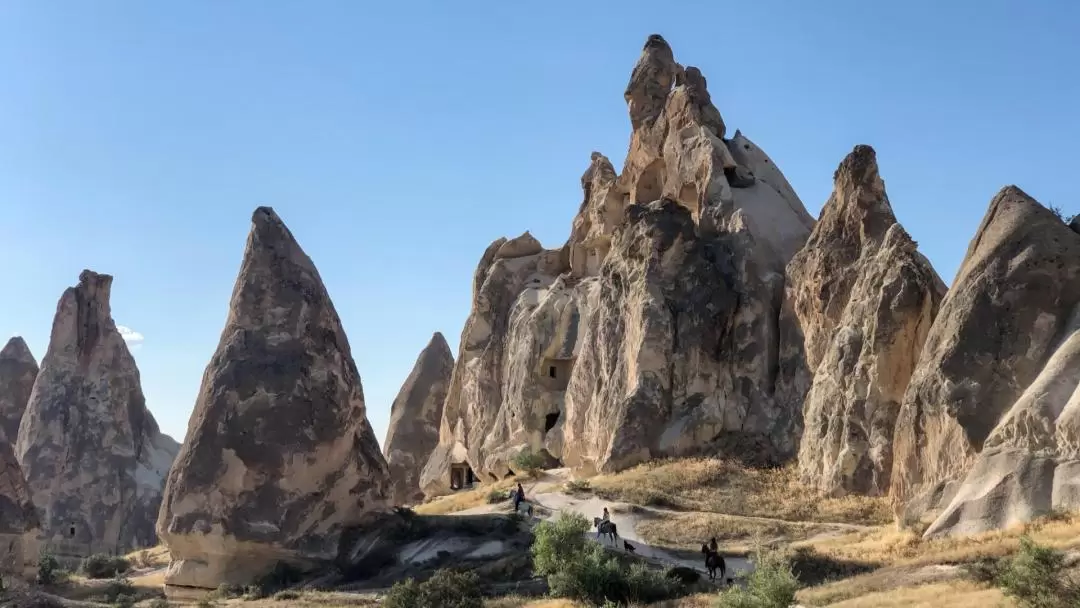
column 865, row 299
column 18, row 369
column 415, row 415
column 995, row 377
column 92, row 453
column 659, row 329
column 279, row 458
column 19, row 522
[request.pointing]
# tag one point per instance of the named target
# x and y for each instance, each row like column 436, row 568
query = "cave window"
column 555, row 373
column 71, row 531
column 551, row 371
column 649, row 186
column 551, row 420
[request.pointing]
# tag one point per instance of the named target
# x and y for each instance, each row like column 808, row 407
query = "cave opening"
column 551, row 420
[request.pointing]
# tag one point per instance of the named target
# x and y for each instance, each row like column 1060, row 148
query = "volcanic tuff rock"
column 865, row 299
column 659, row 328
column 1029, row 464
column 279, row 458
column 92, row 453
column 995, row 376
column 414, row 419
column 19, row 523
column 18, row 369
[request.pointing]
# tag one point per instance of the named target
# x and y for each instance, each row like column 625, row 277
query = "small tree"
column 530, row 462
column 49, row 572
column 772, row 584
column 446, row 589
column 1036, row 578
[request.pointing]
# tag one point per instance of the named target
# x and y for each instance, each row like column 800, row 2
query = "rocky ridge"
column 92, row 452
column 415, row 415
column 280, row 460
column 19, row 521
column 18, row 370
column 659, row 328
column 865, row 299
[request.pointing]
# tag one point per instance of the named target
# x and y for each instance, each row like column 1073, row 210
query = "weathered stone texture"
column 415, row 415
column 280, row 458
column 18, row 370
column 660, row 327
column 91, row 450
column 995, row 376
column 19, row 521
column 865, row 299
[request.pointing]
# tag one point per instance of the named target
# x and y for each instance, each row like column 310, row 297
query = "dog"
column 628, row 547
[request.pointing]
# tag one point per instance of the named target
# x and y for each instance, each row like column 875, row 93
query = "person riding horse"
column 604, row 525
column 713, row 560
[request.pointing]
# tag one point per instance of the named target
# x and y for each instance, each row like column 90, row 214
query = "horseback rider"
column 713, row 546
column 603, row 520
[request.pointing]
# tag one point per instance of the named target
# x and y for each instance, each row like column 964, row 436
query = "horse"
column 606, row 528
column 713, row 562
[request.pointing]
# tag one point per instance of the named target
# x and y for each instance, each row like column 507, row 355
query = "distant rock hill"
column 18, row 370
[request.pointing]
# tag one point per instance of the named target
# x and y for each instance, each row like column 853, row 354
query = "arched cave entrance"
column 551, row 420
column 461, row 476
column 650, row 184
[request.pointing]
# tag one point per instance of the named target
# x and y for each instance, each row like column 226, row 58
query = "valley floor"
column 846, row 552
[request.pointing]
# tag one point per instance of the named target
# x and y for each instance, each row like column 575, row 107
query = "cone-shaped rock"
column 659, row 328
column 414, row 419
column 91, row 450
column 1001, row 355
column 19, row 523
column 18, row 370
column 279, row 457
column 865, row 299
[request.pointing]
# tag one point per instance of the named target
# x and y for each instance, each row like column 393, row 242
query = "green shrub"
column 582, row 570
column 159, row 603
column 281, row 596
column 577, row 486
column 225, row 591
column 446, row 589
column 282, row 576
column 49, row 571
column 120, row 591
column 772, row 584
column 496, row 496
column 1036, row 578
column 104, row 566
column 529, row 461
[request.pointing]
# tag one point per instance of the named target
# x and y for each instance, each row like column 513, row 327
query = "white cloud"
column 132, row 337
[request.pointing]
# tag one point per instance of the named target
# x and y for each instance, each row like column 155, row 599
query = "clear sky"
column 397, row 140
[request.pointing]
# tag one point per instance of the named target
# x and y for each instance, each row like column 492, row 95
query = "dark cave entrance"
column 551, row 420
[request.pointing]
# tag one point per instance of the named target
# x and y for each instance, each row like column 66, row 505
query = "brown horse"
column 713, row 562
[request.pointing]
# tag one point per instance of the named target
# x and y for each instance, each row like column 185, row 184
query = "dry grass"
column 952, row 594
column 726, row 487
column 735, row 534
column 905, row 548
column 322, row 599
column 462, row 500
column 154, row 557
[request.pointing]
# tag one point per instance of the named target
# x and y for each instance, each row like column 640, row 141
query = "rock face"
column 92, row 453
column 659, row 329
column 415, row 415
column 18, row 369
column 865, row 299
column 279, row 459
column 988, row 426
column 19, row 523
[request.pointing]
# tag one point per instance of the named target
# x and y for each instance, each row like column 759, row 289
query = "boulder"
column 19, row 522
column 865, row 299
column 660, row 327
column 92, row 452
column 995, row 376
column 280, row 459
column 18, row 369
column 415, row 415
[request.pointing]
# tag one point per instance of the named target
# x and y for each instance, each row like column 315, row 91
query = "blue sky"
column 398, row 140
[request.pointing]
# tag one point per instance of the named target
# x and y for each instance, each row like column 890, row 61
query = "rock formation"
column 992, row 398
column 865, row 299
column 659, row 329
column 279, row 459
column 18, row 369
column 19, row 523
column 92, row 453
column 415, row 415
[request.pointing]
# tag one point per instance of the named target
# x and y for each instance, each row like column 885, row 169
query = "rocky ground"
column 847, row 553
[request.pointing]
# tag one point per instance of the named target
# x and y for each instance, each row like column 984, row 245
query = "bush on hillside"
column 772, row 584
column 496, row 496
column 104, row 566
column 446, row 589
column 120, row 592
column 1036, row 578
column 529, row 461
column 49, row 571
column 582, row 570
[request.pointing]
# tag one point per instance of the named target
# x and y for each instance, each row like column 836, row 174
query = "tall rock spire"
column 415, row 414
column 91, row 450
column 279, row 457
column 18, row 370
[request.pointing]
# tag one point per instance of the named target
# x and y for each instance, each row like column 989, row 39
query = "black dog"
column 629, row 548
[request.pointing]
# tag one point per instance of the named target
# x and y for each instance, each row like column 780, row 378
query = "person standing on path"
column 519, row 496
